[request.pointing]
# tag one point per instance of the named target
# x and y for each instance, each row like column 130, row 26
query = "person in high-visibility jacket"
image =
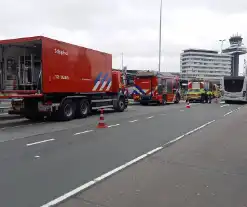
column 203, row 95
column 209, row 95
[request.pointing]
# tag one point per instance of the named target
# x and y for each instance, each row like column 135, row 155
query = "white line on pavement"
column 181, row 110
column 118, row 169
column 34, row 143
column 133, row 121
column 84, row 132
column 228, row 113
column 113, row 125
column 237, row 109
column 150, row 117
column 224, row 105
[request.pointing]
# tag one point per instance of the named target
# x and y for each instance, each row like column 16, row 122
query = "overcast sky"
column 129, row 26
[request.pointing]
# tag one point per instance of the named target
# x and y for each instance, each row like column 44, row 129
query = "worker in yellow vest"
column 203, row 95
column 210, row 96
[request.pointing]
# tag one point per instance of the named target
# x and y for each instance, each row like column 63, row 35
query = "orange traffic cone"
column 188, row 105
column 101, row 123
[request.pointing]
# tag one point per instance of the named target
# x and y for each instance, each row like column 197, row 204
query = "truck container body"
column 45, row 73
column 154, row 87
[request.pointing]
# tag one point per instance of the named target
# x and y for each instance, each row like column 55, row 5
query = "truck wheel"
column 67, row 110
column 82, row 109
column 120, row 105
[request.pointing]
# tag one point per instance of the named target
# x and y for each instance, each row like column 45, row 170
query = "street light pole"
column 122, row 60
column 221, row 47
column 160, row 33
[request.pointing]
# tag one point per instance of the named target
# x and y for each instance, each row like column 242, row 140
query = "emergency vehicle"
column 156, row 87
column 196, row 90
column 48, row 78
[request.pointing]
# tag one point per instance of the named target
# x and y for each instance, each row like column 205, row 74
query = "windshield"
column 233, row 85
column 194, row 90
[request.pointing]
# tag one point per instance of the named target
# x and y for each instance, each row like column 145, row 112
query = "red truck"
column 151, row 86
column 49, row 78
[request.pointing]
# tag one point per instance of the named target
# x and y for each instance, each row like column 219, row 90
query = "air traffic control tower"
column 236, row 48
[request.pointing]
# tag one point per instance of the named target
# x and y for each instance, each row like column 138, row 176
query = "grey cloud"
column 115, row 26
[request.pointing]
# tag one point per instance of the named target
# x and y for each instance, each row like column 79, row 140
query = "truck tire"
column 66, row 111
column 120, row 105
column 82, row 109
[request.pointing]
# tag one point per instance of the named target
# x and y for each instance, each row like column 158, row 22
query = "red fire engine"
column 150, row 86
column 49, row 78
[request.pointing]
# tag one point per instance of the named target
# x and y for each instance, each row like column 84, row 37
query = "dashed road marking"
column 84, row 132
column 150, row 117
column 118, row 169
column 133, row 121
column 182, row 110
column 40, row 142
column 114, row 125
column 228, row 113
column 224, row 105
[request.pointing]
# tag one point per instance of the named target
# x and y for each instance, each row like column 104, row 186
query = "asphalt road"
column 207, row 168
column 42, row 161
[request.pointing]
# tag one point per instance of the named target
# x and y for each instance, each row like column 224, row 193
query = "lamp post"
column 160, row 33
column 221, row 47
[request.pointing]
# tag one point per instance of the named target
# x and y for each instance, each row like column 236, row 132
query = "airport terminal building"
column 204, row 64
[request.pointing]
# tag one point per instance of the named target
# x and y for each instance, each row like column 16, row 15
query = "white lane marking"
column 114, row 125
column 133, row 121
column 190, row 132
column 150, row 117
column 118, row 169
column 228, row 113
column 37, row 156
column 181, row 110
column 84, row 132
column 224, row 105
column 222, row 102
column 40, row 142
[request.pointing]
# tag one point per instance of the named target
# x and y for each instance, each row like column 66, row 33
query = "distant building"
column 204, row 64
